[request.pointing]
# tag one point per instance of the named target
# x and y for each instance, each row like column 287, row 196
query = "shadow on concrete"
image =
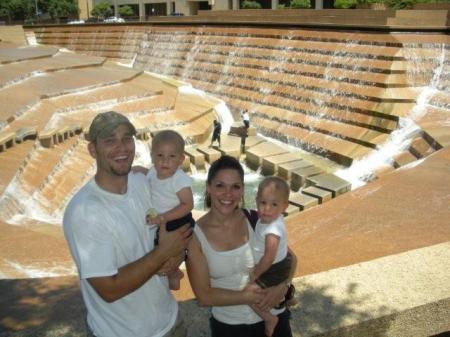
column 319, row 313
column 53, row 307
column 41, row 307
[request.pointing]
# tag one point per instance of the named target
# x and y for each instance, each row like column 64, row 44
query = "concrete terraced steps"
column 22, row 70
column 10, row 53
column 252, row 69
column 58, row 102
column 360, row 79
column 108, row 42
column 34, row 172
column 390, row 216
column 54, row 84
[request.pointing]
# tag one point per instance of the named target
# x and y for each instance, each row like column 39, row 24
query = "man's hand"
column 171, row 264
column 173, row 243
column 155, row 219
column 139, row 169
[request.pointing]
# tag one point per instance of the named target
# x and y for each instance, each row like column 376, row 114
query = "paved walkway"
column 374, row 262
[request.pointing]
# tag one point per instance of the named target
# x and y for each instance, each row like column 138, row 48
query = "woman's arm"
column 198, row 272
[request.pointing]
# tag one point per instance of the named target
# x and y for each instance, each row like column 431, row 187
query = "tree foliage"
column 126, row 11
column 300, row 4
column 249, row 4
column 17, row 9
column 102, row 10
column 345, row 4
column 62, row 8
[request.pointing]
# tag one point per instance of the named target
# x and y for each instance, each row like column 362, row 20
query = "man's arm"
column 133, row 275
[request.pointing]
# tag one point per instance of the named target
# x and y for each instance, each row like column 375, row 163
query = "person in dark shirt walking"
column 216, row 133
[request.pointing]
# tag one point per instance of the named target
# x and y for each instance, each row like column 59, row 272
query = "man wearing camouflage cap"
column 117, row 262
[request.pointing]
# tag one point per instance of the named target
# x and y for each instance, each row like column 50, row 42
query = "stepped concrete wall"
column 336, row 94
column 373, row 262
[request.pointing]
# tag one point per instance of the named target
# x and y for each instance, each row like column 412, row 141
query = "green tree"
column 126, row 11
column 102, row 10
column 17, row 9
column 345, row 4
column 249, row 4
column 300, row 4
column 62, row 8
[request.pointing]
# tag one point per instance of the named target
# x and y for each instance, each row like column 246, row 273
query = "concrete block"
column 403, row 159
column 7, row 140
column 195, row 157
column 291, row 209
column 25, row 133
column 270, row 164
column 303, row 201
column 285, row 169
column 230, row 145
column 48, row 138
column 322, row 195
column 255, row 154
column 211, row 154
column 330, row 182
column 298, row 176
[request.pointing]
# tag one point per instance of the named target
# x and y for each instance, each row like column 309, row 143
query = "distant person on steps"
column 217, row 129
column 245, row 119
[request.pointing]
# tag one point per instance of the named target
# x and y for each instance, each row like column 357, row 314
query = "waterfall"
column 31, row 205
column 142, row 157
column 362, row 170
column 223, row 112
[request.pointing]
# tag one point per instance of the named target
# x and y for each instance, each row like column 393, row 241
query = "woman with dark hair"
column 220, row 260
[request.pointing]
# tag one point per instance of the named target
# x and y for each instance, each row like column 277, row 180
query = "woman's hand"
column 274, row 295
column 253, row 293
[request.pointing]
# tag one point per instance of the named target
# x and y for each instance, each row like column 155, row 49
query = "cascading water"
column 362, row 170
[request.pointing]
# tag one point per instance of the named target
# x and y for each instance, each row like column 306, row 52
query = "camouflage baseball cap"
column 105, row 123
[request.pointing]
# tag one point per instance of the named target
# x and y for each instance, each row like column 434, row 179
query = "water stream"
column 362, row 170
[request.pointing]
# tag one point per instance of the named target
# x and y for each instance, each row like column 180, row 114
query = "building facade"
column 143, row 9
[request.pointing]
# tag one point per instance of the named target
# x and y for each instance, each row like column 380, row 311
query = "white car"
column 114, row 19
column 77, row 22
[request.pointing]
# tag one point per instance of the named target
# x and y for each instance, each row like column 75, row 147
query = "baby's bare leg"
column 174, row 279
column 270, row 321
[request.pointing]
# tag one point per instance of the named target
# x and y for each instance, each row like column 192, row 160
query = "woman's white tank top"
column 230, row 270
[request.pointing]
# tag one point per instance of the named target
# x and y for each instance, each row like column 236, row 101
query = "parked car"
column 114, row 19
column 75, row 22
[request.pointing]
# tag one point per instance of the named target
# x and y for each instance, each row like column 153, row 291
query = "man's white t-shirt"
column 277, row 228
column 106, row 231
column 164, row 191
